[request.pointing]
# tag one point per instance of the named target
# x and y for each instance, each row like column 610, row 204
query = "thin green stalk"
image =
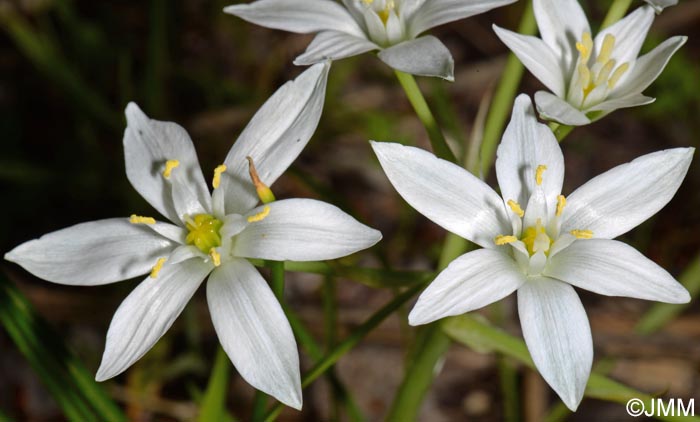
column 351, row 341
column 476, row 333
column 505, row 93
column 415, row 97
column 616, row 12
column 329, row 327
column 213, row 406
column 307, row 342
column 277, row 282
column 560, row 131
column 661, row 313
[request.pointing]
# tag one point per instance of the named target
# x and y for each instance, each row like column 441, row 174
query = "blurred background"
column 68, row 69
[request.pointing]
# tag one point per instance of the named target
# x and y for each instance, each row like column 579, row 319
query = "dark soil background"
column 67, row 70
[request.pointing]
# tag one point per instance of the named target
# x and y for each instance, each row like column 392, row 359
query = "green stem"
column 343, row 347
column 437, row 140
column 616, row 12
column 277, row 268
column 505, row 93
column 214, row 401
column 560, row 131
column 661, row 313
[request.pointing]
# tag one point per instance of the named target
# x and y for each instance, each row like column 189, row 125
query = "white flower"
column 660, row 5
column 209, row 235
column 588, row 78
column 390, row 26
column 538, row 242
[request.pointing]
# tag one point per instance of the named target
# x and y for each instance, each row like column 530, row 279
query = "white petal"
column 561, row 23
column 303, row 230
column 94, row 253
column 470, row 282
column 527, row 144
column 147, row 313
column 558, row 336
column 554, row 108
column 537, row 57
column 424, row 56
column 254, row 331
column 612, row 268
column 169, row 231
column 630, row 33
column 437, row 12
column 445, row 193
column 297, row 16
column 148, row 144
column 618, row 200
column 275, row 136
column 648, row 67
column 375, row 27
column 334, row 45
column 632, row 100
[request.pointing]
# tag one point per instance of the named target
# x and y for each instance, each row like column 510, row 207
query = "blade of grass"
column 475, row 332
column 213, row 407
column 64, row 376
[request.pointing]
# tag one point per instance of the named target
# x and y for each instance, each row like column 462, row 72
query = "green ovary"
column 535, row 239
column 204, row 232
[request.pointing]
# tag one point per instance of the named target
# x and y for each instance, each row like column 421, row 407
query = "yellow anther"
column 215, row 257
column 538, row 173
column 582, row 234
column 584, row 79
column 606, row 49
column 605, row 72
column 367, row 2
column 516, row 208
column 137, row 219
column 585, row 46
column 260, row 216
column 561, row 203
column 156, row 268
column 169, row 166
column 217, row 175
column 264, row 192
column 617, row 74
column 501, row 240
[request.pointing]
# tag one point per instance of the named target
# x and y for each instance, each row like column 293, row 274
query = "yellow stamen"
column 504, row 240
column 606, row 49
column 538, row 173
column 215, row 257
column 169, row 166
column 264, row 192
column 137, row 219
column 582, row 234
column 260, row 216
column 605, row 72
column 516, row 208
column 217, row 175
column 585, row 46
column 156, row 268
column 561, row 203
column 617, row 74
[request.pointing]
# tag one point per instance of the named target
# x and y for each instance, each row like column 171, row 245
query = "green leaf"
column 469, row 330
column 67, row 380
column 213, row 407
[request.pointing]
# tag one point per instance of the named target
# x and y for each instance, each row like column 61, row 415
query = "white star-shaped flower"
column 391, row 26
column 538, row 242
column 588, row 77
column 210, row 235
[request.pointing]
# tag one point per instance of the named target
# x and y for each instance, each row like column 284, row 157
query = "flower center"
column 536, row 239
column 203, row 232
column 603, row 73
column 382, row 8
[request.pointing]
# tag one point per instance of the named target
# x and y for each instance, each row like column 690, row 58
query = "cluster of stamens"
column 204, row 230
column 536, row 238
column 605, row 71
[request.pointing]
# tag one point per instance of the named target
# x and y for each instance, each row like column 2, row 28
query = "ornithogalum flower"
column 210, row 235
column 537, row 241
column 588, row 77
column 391, row 26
